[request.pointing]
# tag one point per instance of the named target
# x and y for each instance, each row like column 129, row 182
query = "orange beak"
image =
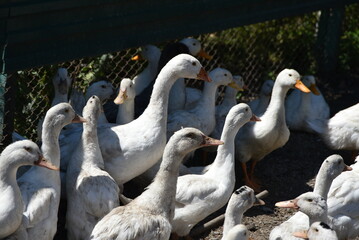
column 136, row 58
column 314, row 89
column 347, row 168
column 122, row 96
column 205, row 55
column 299, row 85
column 42, row 162
column 254, row 118
column 235, row 86
column 208, row 141
column 303, row 235
column 287, row 204
column 203, row 75
column 78, row 119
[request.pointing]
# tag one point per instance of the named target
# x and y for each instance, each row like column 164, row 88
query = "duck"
column 197, row 195
column 40, row 188
column 203, row 115
column 318, row 231
column 125, row 101
column 300, row 106
column 342, row 203
column 177, row 95
column 241, row 200
column 255, row 140
column 331, row 168
column 130, row 149
column 91, row 191
column 150, row 214
column 260, row 104
column 340, row 132
column 19, row 153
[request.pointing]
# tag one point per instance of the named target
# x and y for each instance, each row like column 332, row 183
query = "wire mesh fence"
column 256, row 52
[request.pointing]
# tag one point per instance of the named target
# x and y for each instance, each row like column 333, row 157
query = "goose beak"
column 78, row 119
column 287, row 204
column 254, row 118
column 347, row 168
column 258, row 202
column 203, row 75
column 205, row 55
column 235, row 86
column 42, row 162
column 313, row 88
column 136, row 58
column 303, row 235
column 208, row 141
column 300, row 85
column 122, row 96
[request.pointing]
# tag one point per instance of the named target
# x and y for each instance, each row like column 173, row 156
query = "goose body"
column 149, row 215
column 91, row 192
column 241, row 200
column 260, row 104
column 331, row 167
column 129, row 150
column 203, row 115
column 255, row 140
column 301, row 106
column 340, row 131
column 198, row 196
column 20, row 153
column 343, row 203
column 40, row 188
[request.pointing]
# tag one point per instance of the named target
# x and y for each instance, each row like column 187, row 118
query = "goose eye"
column 316, row 229
column 28, row 149
column 194, row 44
column 194, row 63
column 66, row 110
column 310, row 200
column 90, row 101
column 190, row 135
column 246, row 109
column 103, row 86
column 225, row 74
column 290, row 74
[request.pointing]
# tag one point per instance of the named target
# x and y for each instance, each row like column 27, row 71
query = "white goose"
column 340, row 131
column 301, row 106
column 202, row 116
column 91, row 192
column 260, row 104
column 318, row 231
column 152, row 54
column 256, row 140
column 331, row 167
column 17, row 154
column 126, row 102
column 129, row 150
column 149, row 215
column 198, row 196
column 343, row 203
column 241, row 200
column 40, row 188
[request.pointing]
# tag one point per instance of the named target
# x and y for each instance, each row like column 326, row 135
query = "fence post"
column 327, row 45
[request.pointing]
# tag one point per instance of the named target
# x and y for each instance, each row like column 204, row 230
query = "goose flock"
column 159, row 123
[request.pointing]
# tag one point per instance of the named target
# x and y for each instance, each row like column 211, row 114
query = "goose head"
column 318, row 231
column 241, row 113
column 25, row 152
column 92, row 109
column 148, row 52
column 310, row 203
column 187, row 66
column 245, row 198
column 127, row 91
column 309, row 81
column 238, row 232
column 62, row 81
column 290, row 78
column 334, row 165
column 187, row 140
column 221, row 76
column 103, row 89
column 195, row 48
column 62, row 114
column 267, row 87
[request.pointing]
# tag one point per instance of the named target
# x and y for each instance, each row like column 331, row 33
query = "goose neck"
column 322, row 184
column 231, row 219
column 275, row 110
column 50, row 144
column 126, row 112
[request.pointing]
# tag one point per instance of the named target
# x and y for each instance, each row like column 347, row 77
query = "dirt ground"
column 285, row 173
